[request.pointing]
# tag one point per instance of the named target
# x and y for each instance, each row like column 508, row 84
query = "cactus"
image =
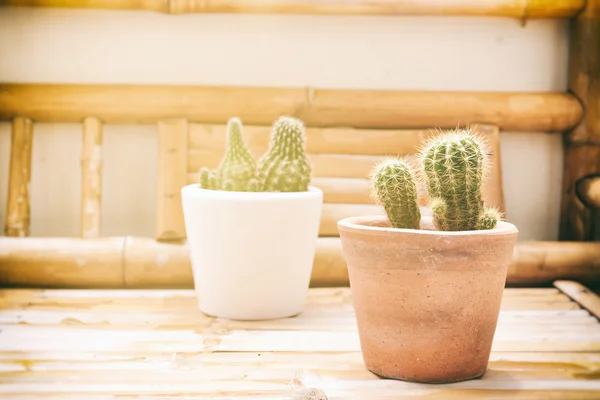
column 238, row 165
column 394, row 186
column 208, row 179
column 285, row 166
column 453, row 165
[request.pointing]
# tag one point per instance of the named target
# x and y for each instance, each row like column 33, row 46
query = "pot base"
column 439, row 380
column 251, row 315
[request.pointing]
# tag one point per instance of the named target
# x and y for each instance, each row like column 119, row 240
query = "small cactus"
column 453, row 165
column 285, row 166
column 208, row 179
column 453, row 168
column 238, row 165
column 395, row 188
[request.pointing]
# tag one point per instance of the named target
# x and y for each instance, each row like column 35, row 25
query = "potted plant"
column 427, row 290
column 252, row 227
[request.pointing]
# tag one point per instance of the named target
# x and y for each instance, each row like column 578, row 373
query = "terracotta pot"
column 426, row 301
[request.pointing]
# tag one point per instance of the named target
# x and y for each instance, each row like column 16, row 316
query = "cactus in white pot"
column 252, row 226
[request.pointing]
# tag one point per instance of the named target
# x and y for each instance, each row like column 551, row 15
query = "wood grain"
column 358, row 108
column 145, row 263
column 91, row 179
column 156, row 343
column 496, row 8
column 171, row 177
column 19, row 176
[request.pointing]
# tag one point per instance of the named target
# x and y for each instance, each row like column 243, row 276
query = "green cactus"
column 394, row 186
column 238, row 165
column 285, row 166
column 208, row 179
column 453, row 165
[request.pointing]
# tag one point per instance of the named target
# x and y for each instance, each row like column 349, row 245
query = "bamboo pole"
column 588, row 191
column 579, row 221
column 375, row 109
column 496, row 8
column 17, row 208
column 146, row 263
column 61, row 262
column 91, row 178
column 171, row 176
column 582, row 295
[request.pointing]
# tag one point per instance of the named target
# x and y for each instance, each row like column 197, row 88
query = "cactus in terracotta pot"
column 454, row 165
column 394, row 187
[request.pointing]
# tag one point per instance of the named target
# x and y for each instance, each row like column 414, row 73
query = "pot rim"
column 194, row 191
column 359, row 224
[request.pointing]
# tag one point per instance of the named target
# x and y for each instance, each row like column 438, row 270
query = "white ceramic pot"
column 252, row 253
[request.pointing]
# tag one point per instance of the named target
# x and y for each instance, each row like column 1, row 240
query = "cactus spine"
column 453, row 165
column 395, row 188
column 285, row 166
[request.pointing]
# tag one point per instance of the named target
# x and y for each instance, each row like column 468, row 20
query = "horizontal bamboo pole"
column 496, row 8
column 146, row 263
column 357, row 108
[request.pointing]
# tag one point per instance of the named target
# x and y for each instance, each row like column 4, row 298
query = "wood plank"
column 171, row 177
column 91, row 179
column 18, row 204
column 582, row 295
column 578, row 220
column 499, row 8
column 359, row 108
column 146, row 263
column 132, row 343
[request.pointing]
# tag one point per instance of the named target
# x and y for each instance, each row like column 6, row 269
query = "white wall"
column 428, row 53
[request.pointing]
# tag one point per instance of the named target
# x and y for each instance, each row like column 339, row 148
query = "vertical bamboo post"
column 582, row 145
column 171, row 177
column 17, row 208
column 91, row 178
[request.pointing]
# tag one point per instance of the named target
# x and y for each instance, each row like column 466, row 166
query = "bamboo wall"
column 543, row 113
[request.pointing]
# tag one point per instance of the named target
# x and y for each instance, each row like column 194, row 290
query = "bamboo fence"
column 347, row 129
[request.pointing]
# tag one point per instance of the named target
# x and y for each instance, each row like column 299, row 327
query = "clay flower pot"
column 426, row 301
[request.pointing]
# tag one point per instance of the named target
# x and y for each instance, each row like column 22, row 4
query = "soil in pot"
column 427, row 302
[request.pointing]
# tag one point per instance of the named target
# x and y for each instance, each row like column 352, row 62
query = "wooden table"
column 90, row 344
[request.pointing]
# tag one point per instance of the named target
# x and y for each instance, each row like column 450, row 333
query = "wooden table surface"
column 92, row 344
